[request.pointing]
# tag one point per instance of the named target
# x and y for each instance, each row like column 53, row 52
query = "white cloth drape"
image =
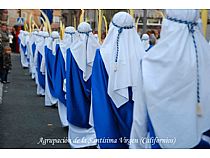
column 83, row 56
column 128, row 65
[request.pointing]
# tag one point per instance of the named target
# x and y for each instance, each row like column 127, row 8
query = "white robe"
column 84, row 61
column 23, row 59
column 170, row 84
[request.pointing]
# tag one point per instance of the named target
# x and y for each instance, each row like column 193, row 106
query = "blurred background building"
column 3, row 16
column 146, row 20
column 14, row 14
column 153, row 18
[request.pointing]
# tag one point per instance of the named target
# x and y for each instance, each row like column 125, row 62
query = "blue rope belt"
column 40, row 35
column 87, row 34
column 191, row 26
column 46, row 37
column 70, row 33
column 120, row 30
column 53, row 38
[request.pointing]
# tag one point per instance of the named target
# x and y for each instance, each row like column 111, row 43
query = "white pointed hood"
column 84, row 48
column 69, row 38
column 145, row 41
column 52, row 41
column 123, row 68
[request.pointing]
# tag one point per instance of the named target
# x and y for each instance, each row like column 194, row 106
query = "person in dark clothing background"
column 1, row 56
column 13, row 45
column 6, row 64
column 5, row 35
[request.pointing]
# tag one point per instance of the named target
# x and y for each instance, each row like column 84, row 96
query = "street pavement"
column 24, row 120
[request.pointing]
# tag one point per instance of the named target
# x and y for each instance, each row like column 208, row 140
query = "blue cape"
column 50, row 68
column 78, row 94
column 23, row 48
column 59, row 75
column 41, row 77
column 109, row 121
column 33, row 48
column 55, row 67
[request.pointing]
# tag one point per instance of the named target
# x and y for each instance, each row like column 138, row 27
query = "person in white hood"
column 79, row 62
column 116, row 80
column 145, row 41
column 176, row 85
column 23, row 39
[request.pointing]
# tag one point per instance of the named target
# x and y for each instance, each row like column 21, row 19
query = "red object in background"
column 16, row 39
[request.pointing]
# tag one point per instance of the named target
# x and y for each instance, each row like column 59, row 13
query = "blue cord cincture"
column 70, row 33
column 191, row 29
column 118, row 38
column 87, row 34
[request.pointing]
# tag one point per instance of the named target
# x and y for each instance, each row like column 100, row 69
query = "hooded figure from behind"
column 115, row 82
column 79, row 63
column 60, row 72
column 23, row 40
column 51, row 44
column 69, row 38
column 176, row 83
column 146, row 42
